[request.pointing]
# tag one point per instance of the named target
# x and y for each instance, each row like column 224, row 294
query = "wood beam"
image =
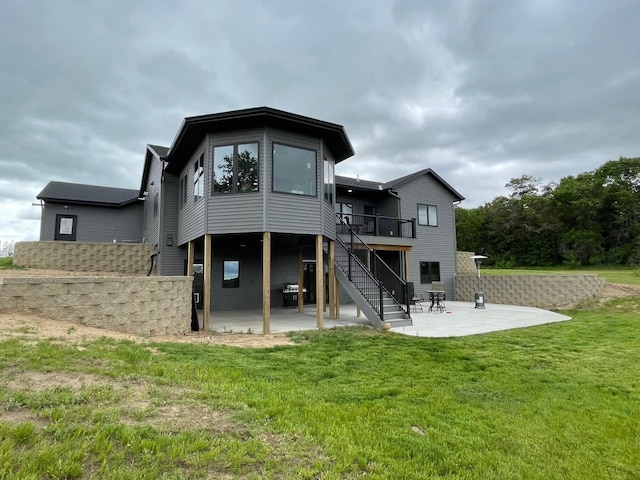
column 332, row 280
column 300, row 280
column 206, row 304
column 266, row 283
column 319, row 283
column 191, row 258
column 406, row 266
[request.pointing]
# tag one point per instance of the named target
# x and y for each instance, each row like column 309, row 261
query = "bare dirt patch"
column 31, row 327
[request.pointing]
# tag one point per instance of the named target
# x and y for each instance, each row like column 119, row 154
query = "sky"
column 479, row 91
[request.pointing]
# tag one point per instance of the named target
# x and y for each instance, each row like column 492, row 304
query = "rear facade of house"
column 248, row 202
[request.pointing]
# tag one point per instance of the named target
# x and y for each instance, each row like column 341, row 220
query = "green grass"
column 6, row 263
column 613, row 274
column 560, row 401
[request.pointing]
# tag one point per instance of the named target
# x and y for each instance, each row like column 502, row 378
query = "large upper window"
column 427, row 215
column 294, row 170
column 329, row 180
column 198, row 178
column 235, row 168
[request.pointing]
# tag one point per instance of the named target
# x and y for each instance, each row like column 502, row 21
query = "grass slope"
column 560, row 401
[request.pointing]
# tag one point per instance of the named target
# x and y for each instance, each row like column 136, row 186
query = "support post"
column 206, row 304
column 332, row 280
column 191, row 257
column 319, row 283
column 300, row 281
column 266, row 283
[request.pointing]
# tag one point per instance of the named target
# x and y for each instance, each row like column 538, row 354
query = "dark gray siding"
column 96, row 224
column 191, row 217
column 328, row 210
column 172, row 256
column 151, row 222
column 433, row 244
column 289, row 213
column 249, row 294
column 236, row 213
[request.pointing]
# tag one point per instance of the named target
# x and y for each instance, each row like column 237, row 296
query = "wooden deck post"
column 319, row 283
column 332, row 280
column 266, row 283
column 300, row 281
column 191, row 253
column 206, row 304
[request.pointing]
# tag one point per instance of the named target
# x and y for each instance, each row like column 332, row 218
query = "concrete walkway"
column 459, row 319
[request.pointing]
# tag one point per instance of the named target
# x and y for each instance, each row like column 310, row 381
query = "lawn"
column 560, row 401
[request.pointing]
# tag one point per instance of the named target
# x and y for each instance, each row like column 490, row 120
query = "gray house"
column 248, row 202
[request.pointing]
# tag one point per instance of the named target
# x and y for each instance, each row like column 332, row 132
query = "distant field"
column 627, row 276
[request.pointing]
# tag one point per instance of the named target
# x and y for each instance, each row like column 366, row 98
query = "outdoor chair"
column 414, row 299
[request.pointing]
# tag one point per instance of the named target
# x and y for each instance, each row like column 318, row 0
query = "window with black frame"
column 429, row 272
column 427, row 215
column 235, row 168
column 294, row 170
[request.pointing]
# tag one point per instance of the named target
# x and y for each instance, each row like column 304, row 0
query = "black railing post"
column 351, row 247
column 381, row 302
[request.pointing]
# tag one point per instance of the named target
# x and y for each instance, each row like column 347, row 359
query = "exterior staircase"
column 379, row 293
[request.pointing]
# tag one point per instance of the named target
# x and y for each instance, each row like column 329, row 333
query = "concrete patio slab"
column 459, row 319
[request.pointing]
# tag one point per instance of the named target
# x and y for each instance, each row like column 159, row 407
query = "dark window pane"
column 294, row 170
column 223, row 169
column 248, row 167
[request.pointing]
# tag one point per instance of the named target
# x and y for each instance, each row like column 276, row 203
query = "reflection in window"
column 294, row 170
column 198, row 178
column 231, row 278
column 427, row 215
column 235, row 168
column 329, row 180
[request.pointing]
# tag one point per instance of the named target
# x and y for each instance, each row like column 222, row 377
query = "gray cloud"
column 480, row 92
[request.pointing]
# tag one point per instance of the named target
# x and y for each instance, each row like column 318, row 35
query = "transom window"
column 198, row 178
column 427, row 215
column 235, row 168
column 429, row 272
column 294, row 170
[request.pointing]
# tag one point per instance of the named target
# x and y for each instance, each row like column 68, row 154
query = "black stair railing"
column 362, row 265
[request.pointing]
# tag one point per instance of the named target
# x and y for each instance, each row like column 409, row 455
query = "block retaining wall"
column 544, row 291
column 139, row 305
column 132, row 258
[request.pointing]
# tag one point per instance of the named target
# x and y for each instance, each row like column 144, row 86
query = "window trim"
column 273, row 170
column 432, row 218
column 430, row 277
column 236, row 283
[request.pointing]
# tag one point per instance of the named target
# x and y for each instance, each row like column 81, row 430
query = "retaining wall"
column 140, row 305
column 544, row 291
column 465, row 264
column 132, row 258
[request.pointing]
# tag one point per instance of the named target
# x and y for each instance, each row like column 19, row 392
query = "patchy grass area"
column 560, row 401
column 624, row 275
column 6, row 263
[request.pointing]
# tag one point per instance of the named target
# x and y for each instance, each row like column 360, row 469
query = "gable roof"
column 368, row 185
column 193, row 129
column 394, row 184
column 87, row 194
column 152, row 151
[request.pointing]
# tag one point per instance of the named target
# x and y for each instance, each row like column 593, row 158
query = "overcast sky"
column 480, row 91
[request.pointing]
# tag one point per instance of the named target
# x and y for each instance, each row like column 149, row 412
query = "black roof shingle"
column 87, row 194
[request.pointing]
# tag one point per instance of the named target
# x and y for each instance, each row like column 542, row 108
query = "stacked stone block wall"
column 544, row 291
column 139, row 305
column 465, row 264
column 131, row 258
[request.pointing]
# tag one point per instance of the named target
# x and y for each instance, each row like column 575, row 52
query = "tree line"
column 592, row 218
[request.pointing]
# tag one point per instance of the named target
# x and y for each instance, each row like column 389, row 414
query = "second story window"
column 427, row 215
column 198, row 178
column 235, row 168
column 294, row 170
column 329, row 180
